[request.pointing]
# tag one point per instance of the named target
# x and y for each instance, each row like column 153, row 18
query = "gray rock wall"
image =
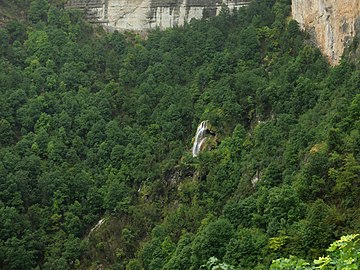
column 141, row 15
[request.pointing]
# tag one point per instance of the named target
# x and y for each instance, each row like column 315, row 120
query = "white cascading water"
column 97, row 226
column 199, row 138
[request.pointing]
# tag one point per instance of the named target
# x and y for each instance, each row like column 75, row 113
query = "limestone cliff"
column 332, row 22
column 149, row 14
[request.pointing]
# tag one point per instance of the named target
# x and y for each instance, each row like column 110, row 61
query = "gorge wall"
column 148, row 14
column 333, row 23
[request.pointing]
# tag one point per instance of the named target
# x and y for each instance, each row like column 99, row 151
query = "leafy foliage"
column 343, row 254
column 96, row 124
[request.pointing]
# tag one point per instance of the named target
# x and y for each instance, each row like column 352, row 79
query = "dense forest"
column 99, row 126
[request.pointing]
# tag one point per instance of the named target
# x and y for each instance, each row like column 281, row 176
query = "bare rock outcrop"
column 141, row 15
column 333, row 23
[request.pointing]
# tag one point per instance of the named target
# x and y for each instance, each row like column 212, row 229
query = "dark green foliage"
column 211, row 242
column 7, row 135
column 96, row 124
column 38, row 10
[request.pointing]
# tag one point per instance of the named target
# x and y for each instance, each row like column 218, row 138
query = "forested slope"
column 100, row 125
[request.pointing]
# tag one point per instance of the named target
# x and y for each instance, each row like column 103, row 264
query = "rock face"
column 141, row 15
column 332, row 22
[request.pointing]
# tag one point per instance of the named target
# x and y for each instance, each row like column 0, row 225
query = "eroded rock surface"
column 148, row 14
column 332, row 22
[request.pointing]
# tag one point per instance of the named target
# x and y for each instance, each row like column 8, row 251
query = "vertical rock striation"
column 332, row 22
column 141, row 15
column 95, row 10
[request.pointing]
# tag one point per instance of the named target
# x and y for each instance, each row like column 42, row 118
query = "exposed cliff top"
column 141, row 15
column 190, row 3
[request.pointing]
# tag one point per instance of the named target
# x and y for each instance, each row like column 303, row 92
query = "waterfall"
column 101, row 221
column 199, row 138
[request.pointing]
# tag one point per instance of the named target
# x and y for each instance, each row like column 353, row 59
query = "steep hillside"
column 10, row 10
column 98, row 168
